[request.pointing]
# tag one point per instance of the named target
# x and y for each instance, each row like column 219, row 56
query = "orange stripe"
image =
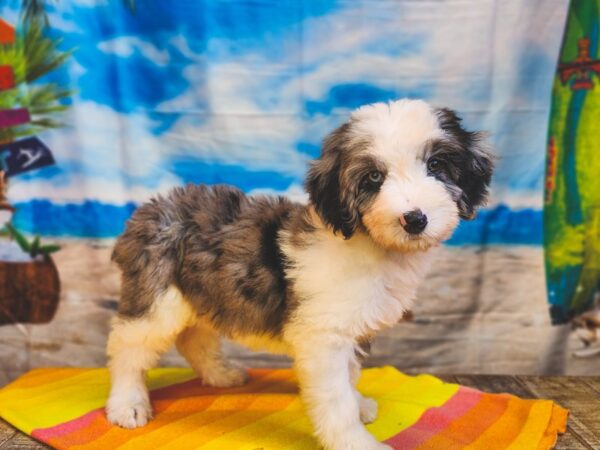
column 97, row 427
column 506, row 429
column 468, row 427
column 557, row 425
column 172, row 403
column 231, row 413
column 39, row 377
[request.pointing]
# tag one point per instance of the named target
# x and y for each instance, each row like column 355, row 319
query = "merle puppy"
column 308, row 280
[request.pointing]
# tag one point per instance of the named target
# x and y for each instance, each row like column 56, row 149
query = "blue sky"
column 243, row 91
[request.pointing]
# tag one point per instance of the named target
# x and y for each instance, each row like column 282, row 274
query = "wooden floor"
column 581, row 395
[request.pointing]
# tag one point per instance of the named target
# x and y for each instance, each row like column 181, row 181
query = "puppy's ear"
column 323, row 185
column 476, row 163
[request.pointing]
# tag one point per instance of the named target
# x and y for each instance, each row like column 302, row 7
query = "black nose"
column 414, row 221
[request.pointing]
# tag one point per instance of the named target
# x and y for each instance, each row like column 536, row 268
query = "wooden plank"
column 574, row 394
column 21, row 441
column 496, row 384
column 593, row 382
column 13, row 439
column 6, row 432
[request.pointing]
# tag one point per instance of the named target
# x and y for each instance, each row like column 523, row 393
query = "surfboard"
column 572, row 184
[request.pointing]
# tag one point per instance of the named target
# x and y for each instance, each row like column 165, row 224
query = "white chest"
column 353, row 287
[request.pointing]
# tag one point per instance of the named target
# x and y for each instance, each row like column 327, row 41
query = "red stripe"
column 45, row 434
column 437, row 419
column 259, row 380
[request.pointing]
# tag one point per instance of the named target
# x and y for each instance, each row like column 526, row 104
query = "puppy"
column 308, row 280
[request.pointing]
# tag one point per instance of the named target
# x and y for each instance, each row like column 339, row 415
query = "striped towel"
column 64, row 408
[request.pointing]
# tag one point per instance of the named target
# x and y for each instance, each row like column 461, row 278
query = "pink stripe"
column 435, row 420
column 45, row 434
column 166, row 392
column 12, row 117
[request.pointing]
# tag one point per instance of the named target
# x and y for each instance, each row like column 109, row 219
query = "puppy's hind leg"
column 200, row 345
column 134, row 346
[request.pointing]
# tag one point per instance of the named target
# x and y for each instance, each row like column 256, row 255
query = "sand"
column 479, row 311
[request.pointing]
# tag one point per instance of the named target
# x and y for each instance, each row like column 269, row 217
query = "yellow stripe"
column 45, row 376
column 273, row 418
column 534, row 428
column 252, row 435
column 195, row 421
column 41, row 406
column 402, row 399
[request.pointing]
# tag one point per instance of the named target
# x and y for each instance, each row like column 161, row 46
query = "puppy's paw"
column 225, row 376
column 358, row 439
column 129, row 415
column 382, row 446
column 368, row 409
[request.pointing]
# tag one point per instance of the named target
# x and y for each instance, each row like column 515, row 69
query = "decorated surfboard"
column 572, row 188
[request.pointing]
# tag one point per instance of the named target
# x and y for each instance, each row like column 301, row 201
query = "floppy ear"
column 323, row 185
column 476, row 163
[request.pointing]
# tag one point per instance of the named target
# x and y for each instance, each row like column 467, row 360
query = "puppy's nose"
column 414, row 221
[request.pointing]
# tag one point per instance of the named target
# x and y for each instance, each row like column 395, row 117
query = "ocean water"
column 92, row 219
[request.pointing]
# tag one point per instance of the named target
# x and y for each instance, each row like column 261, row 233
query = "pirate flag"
column 23, row 156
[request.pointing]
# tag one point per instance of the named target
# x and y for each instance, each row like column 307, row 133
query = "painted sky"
column 242, row 92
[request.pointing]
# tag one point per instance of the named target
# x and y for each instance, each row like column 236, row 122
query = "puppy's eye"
column 434, row 164
column 375, row 177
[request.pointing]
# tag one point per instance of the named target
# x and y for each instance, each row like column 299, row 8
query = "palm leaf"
column 35, row 247
column 34, row 10
column 19, row 238
column 41, row 52
column 50, row 248
column 32, row 56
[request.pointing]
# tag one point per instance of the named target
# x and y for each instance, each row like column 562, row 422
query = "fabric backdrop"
column 164, row 93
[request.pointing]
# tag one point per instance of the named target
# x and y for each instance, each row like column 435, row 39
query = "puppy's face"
column 402, row 172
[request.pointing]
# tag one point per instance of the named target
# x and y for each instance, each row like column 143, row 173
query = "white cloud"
column 80, row 188
column 105, row 155
column 100, row 140
column 533, row 199
column 295, row 193
column 10, row 15
column 255, row 142
column 181, row 44
column 58, row 21
column 468, row 59
column 90, row 3
column 248, row 109
column 228, row 124
column 125, row 46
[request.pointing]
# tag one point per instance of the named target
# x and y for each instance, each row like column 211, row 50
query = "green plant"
column 32, row 56
column 33, row 248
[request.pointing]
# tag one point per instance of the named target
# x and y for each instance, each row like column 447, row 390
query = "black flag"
column 25, row 155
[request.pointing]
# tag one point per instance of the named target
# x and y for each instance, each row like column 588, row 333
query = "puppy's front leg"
column 322, row 365
column 367, row 406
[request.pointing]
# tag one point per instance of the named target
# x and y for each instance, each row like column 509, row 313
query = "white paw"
column 368, row 409
column 225, row 376
column 128, row 415
column 357, row 439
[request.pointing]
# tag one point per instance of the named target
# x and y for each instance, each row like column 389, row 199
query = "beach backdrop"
column 132, row 98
